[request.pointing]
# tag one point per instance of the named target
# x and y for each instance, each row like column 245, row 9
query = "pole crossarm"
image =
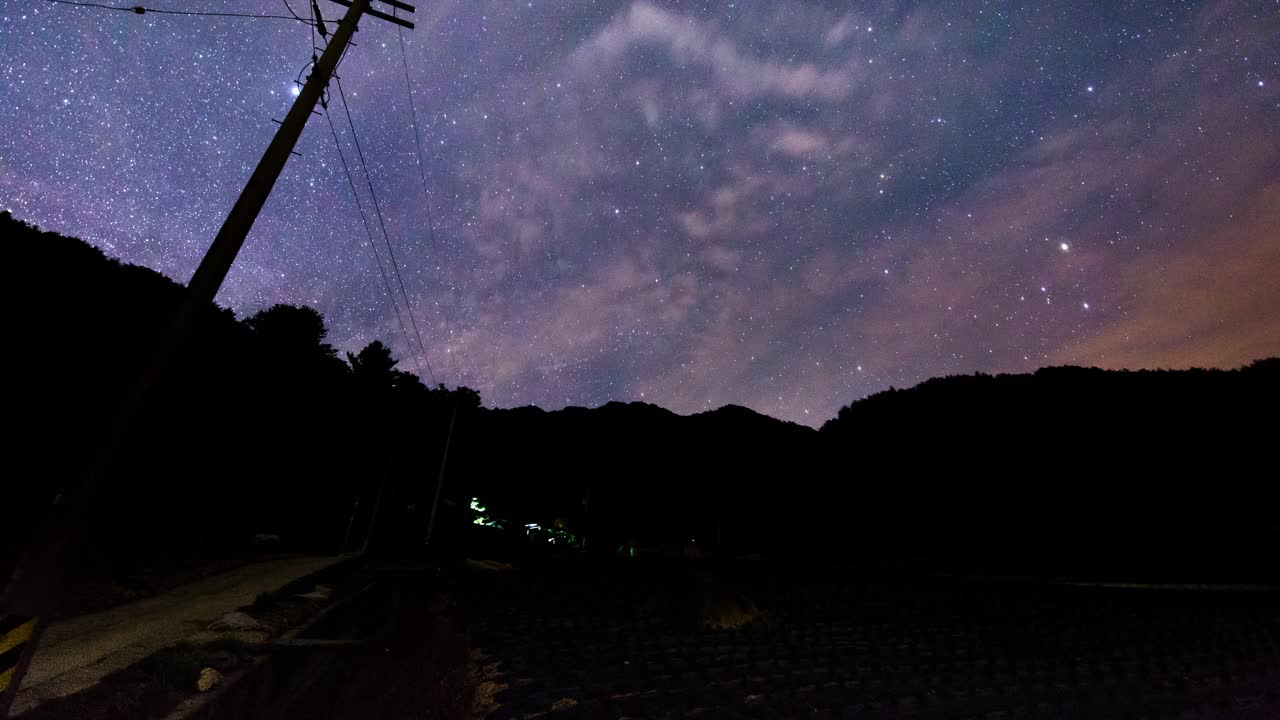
column 399, row 5
column 384, row 16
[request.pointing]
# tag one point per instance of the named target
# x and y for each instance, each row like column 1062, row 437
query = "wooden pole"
column 217, row 261
column 34, row 588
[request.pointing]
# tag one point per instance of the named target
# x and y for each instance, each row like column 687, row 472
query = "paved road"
column 78, row 652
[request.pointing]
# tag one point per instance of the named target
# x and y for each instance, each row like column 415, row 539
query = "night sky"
column 780, row 205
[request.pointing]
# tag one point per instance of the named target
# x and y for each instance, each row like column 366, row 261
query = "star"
column 746, row 259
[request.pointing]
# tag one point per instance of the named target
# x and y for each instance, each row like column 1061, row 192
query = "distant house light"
column 481, row 518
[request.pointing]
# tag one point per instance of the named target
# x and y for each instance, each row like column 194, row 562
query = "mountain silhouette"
column 266, row 428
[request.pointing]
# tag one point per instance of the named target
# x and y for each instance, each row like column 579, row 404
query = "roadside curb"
column 204, row 705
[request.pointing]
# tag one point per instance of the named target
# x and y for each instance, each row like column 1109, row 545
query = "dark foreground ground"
column 394, row 649
column 560, row 642
column 633, row 638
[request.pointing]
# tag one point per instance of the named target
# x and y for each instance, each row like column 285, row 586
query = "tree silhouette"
column 265, row 428
column 373, row 368
column 292, row 329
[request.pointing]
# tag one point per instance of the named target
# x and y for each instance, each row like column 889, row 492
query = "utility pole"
column 226, row 245
column 444, row 460
column 34, row 587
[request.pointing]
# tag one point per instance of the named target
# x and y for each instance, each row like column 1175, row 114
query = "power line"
column 373, row 245
column 289, row 7
column 311, row 28
column 311, row 32
column 417, row 139
column 431, row 228
column 140, row 10
column 422, row 176
column 395, row 266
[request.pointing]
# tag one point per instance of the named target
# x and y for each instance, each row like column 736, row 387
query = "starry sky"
column 782, row 205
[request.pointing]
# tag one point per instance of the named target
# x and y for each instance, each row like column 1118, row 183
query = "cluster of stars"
column 689, row 206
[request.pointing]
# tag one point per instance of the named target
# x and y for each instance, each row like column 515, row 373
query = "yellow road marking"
column 5, row 678
column 17, row 636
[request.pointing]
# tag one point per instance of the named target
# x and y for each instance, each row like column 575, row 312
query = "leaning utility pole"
column 226, row 245
column 35, row 584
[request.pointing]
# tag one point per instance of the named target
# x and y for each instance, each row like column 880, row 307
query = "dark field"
column 633, row 642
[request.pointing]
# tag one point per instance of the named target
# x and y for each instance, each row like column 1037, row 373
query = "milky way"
column 780, row 205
